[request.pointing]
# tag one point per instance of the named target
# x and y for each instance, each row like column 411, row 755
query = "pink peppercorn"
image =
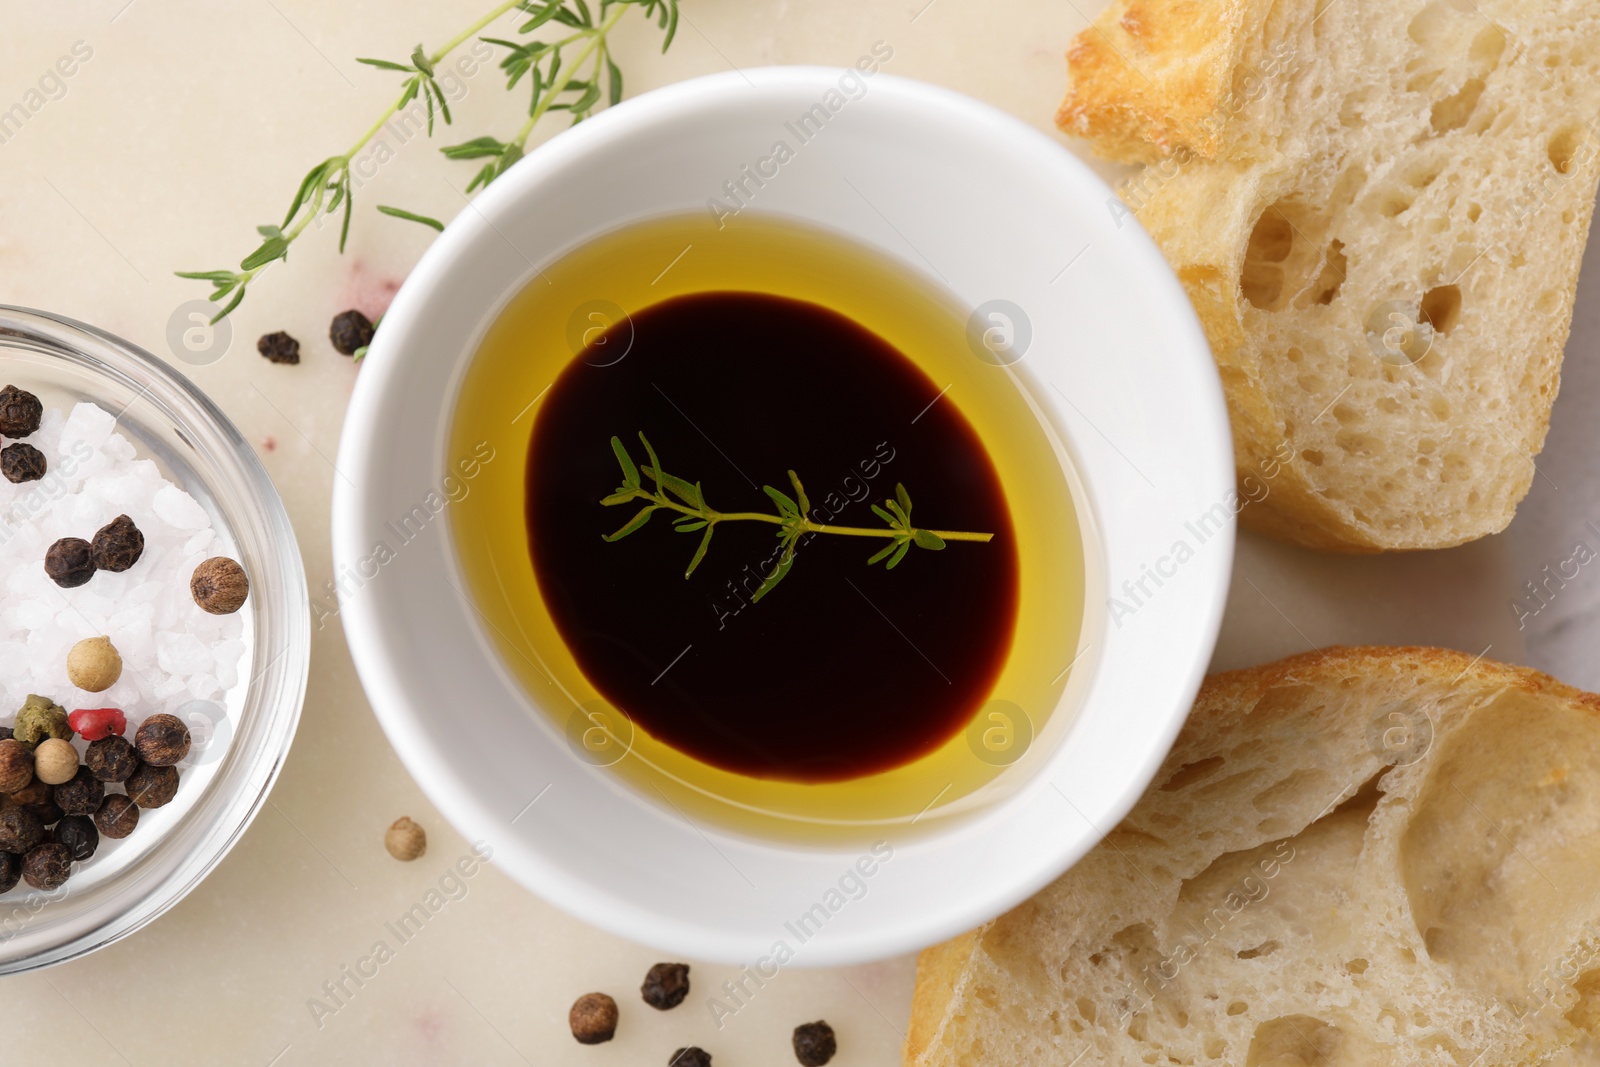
column 92, row 724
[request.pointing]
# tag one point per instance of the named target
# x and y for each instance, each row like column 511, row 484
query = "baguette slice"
column 1379, row 209
column 1356, row 857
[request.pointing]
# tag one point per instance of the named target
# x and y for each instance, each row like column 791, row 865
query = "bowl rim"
column 289, row 668
column 699, row 100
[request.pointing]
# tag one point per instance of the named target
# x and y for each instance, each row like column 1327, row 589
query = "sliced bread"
column 1360, row 856
column 1378, row 208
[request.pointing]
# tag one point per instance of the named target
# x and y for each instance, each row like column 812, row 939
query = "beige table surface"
column 191, row 123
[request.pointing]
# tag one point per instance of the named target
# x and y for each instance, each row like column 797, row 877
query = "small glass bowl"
column 227, row 777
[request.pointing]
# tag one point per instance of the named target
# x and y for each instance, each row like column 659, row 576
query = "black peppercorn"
column 20, row 412
column 77, row 832
column 47, row 867
column 20, row 830
column 117, row 545
column 117, row 817
column 68, row 563
column 36, row 797
column 152, row 787
column 47, row 812
column 32, row 793
column 693, row 1056
column 82, row 795
column 593, row 1019
column 111, row 759
column 814, row 1044
column 10, row 871
column 350, row 330
column 666, row 985
column 162, row 740
column 21, row 463
column 279, row 347
column 5, row 733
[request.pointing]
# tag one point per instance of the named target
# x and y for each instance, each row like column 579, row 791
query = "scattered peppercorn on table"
column 351, row 924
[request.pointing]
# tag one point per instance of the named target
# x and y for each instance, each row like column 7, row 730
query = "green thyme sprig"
column 565, row 75
column 671, row 493
column 551, row 88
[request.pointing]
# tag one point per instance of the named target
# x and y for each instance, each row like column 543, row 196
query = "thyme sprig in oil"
column 694, row 515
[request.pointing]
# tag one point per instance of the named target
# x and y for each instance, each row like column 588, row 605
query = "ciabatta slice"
column 1379, row 208
column 1351, row 858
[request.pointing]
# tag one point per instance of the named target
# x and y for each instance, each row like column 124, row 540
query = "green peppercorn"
column 40, row 718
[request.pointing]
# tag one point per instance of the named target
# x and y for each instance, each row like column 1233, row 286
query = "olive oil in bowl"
column 705, row 623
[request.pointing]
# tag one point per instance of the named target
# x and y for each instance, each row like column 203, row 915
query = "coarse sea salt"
column 172, row 652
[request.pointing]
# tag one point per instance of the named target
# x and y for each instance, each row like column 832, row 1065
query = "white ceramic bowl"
column 927, row 177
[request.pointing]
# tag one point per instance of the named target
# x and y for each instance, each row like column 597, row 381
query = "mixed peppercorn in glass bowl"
column 154, row 637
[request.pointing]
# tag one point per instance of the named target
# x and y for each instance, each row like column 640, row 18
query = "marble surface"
column 189, row 123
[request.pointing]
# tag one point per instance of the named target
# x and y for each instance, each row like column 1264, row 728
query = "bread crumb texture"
column 1356, row 857
column 1379, row 209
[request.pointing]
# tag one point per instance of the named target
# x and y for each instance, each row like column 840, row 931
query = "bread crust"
column 1228, row 690
column 1152, row 77
column 940, row 973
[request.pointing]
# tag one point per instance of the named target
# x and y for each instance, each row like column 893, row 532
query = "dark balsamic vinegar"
column 844, row 670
